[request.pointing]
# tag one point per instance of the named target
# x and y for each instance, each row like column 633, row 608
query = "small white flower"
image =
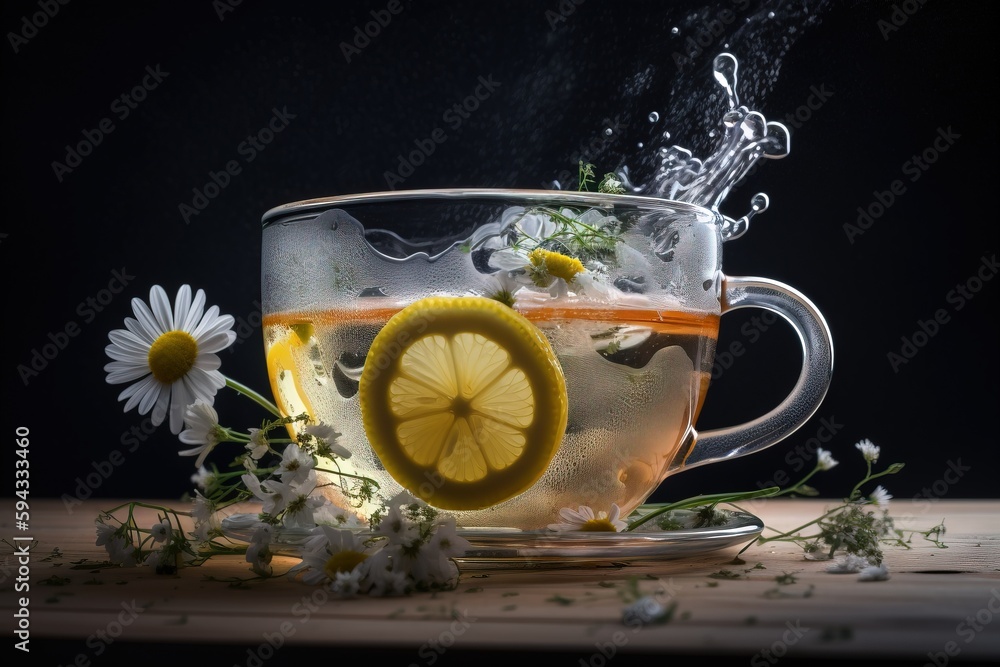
column 328, row 436
column 161, row 532
column 203, row 478
column 880, row 497
column 824, row 460
column 259, row 556
column 169, row 354
column 337, row 517
column 848, row 564
column 384, row 572
column 206, row 520
column 303, row 505
column 347, row 584
column 258, row 444
column 120, row 551
column 105, row 533
column 446, row 540
column 869, row 450
column 295, row 465
column 584, row 519
column 202, row 429
column 397, row 527
column 874, row 573
column 274, row 495
column 643, row 611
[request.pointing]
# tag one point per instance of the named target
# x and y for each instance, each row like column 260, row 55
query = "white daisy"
column 169, row 355
column 880, row 497
column 584, row 519
column 202, row 429
column 333, row 550
column 824, row 460
column 869, row 450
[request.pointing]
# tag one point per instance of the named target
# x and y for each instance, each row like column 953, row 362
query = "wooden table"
column 940, row 606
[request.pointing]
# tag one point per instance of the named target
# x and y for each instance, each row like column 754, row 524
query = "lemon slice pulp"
column 282, row 369
column 463, row 401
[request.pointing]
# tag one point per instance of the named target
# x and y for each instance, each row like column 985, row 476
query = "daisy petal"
column 182, row 304
column 159, row 303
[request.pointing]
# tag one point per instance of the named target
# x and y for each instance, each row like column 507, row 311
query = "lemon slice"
column 284, row 373
column 463, row 400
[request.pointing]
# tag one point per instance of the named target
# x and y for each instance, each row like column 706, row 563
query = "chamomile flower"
column 169, row 354
column 202, row 429
column 584, row 519
column 331, row 551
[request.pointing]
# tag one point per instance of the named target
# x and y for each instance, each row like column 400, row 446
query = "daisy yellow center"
column 343, row 561
column 172, row 355
column 599, row 526
column 557, row 264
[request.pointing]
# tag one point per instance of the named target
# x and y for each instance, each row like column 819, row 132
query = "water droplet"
column 770, row 15
column 607, row 132
column 653, row 117
column 640, row 144
column 675, row 30
column 666, row 135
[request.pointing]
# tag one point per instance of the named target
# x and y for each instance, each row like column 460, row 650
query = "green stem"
column 697, row 501
column 798, row 484
column 347, row 474
column 805, row 525
column 253, row 396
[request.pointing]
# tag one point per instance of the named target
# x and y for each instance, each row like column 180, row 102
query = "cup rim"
column 595, row 199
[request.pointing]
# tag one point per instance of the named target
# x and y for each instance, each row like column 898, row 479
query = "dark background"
column 886, row 93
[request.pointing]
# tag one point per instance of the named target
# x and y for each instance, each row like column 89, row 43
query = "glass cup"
column 627, row 291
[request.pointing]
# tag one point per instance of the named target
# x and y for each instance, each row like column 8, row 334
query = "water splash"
column 747, row 137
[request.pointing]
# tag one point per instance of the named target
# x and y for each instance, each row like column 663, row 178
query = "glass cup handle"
column 806, row 395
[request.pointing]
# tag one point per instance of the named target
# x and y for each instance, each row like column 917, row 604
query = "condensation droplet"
column 770, row 15
column 640, row 144
column 608, row 132
column 666, row 135
column 675, row 30
column 653, row 117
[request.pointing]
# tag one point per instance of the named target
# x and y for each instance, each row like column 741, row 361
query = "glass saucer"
column 510, row 548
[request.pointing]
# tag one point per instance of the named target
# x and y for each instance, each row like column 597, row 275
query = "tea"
column 635, row 378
